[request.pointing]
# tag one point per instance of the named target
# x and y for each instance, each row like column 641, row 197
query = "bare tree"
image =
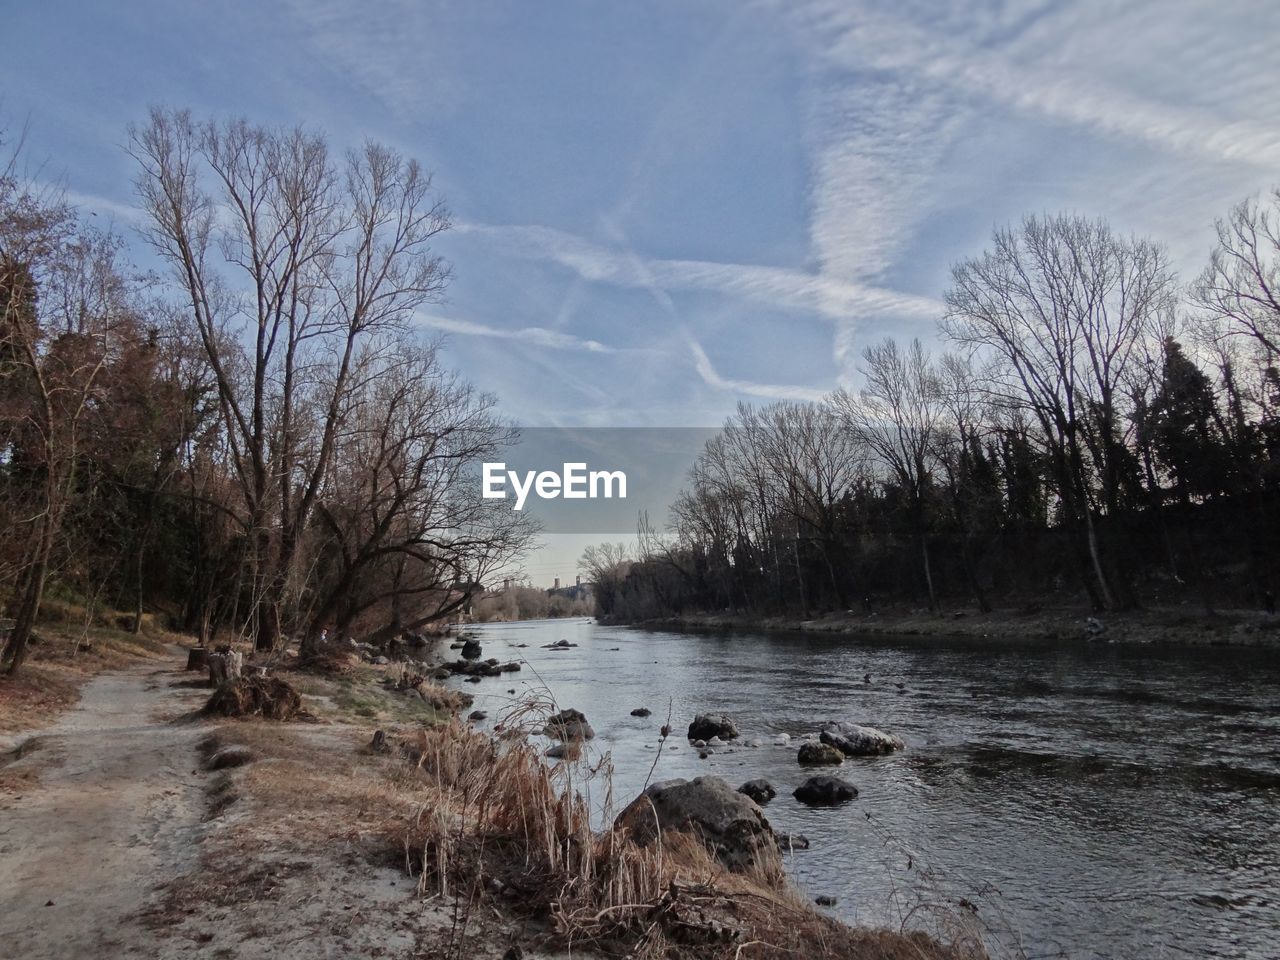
column 65, row 313
column 319, row 262
column 1240, row 288
column 606, row 567
column 897, row 415
column 958, row 452
column 1061, row 304
column 403, row 536
column 814, row 461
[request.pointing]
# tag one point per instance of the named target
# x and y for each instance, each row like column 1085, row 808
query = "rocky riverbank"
column 1160, row 625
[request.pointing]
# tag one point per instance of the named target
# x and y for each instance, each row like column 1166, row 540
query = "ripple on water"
column 1110, row 802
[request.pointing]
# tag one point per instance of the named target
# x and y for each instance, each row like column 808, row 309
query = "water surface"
column 1104, row 801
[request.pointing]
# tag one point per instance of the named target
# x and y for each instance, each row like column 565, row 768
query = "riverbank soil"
column 118, row 840
column 1183, row 625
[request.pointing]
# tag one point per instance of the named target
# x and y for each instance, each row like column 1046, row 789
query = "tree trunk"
column 971, row 574
column 137, row 597
column 15, row 650
column 1095, row 557
column 804, row 601
column 225, row 665
column 267, row 634
column 928, row 573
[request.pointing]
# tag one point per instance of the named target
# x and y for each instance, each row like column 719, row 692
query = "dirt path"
column 104, row 809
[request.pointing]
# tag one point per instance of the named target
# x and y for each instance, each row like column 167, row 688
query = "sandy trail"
column 114, row 814
column 103, row 823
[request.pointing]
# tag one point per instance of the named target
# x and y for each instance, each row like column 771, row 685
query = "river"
column 1092, row 800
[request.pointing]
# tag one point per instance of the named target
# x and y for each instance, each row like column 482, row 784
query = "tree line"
column 1091, row 430
column 520, row 601
column 253, row 438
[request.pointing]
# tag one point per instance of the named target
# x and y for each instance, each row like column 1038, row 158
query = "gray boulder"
column 819, row 754
column 854, row 740
column 729, row 823
column 568, row 725
column 825, row 791
column 761, row 791
column 708, row 725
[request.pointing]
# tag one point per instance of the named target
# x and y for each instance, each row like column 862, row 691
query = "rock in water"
column 854, row 740
column 730, row 824
column 708, row 725
column 641, row 712
column 761, row 791
column 789, row 842
column 568, row 725
column 825, row 791
column 819, row 754
column 471, row 650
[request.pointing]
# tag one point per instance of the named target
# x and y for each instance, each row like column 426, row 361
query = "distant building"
column 579, row 590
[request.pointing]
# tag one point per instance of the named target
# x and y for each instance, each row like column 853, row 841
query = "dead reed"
column 494, row 820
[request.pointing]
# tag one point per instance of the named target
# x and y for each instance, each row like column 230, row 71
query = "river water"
column 1091, row 801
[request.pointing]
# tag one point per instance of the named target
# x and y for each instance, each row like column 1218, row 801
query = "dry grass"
column 493, row 820
column 68, row 654
column 404, row 677
column 495, row 836
column 360, row 697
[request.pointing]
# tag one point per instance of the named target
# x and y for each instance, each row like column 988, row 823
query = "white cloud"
column 391, row 49
column 1075, row 65
column 538, row 336
column 776, row 287
column 768, row 391
column 876, row 143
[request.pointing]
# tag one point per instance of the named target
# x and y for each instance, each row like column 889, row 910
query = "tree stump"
column 225, row 665
column 197, row 658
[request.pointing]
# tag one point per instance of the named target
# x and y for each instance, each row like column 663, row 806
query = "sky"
column 662, row 209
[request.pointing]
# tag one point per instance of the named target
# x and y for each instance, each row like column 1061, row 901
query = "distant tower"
column 578, row 581
column 557, row 586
